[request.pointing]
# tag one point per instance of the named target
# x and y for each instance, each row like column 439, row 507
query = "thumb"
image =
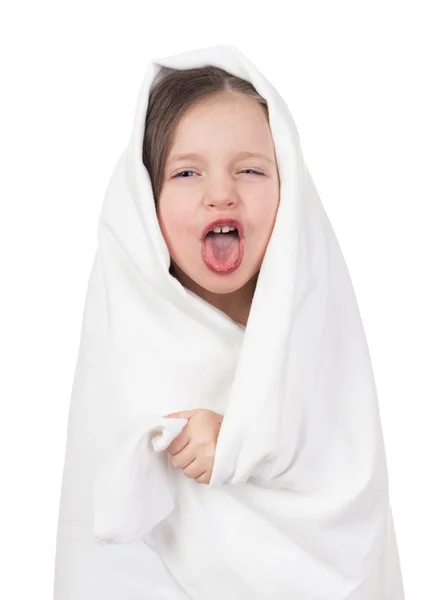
column 183, row 414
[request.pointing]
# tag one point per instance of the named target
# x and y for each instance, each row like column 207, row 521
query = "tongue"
column 222, row 249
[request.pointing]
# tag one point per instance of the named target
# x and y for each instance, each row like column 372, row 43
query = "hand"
column 193, row 450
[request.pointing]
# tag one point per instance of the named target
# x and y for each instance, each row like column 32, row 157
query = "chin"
column 226, row 283
column 226, row 286
column 215, row 282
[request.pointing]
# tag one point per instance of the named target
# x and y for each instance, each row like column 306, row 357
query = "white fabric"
column 298, row 505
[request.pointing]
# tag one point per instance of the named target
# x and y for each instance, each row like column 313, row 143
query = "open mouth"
column 222, row 249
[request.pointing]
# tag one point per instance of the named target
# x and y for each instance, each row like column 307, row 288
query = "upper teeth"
column 224, row 229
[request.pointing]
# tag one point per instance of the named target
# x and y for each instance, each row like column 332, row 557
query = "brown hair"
column 170, row 98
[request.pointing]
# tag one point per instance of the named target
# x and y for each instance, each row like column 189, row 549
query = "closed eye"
column 253, row 171
column 187, row 171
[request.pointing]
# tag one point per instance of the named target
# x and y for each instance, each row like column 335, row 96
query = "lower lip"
column 221, row 271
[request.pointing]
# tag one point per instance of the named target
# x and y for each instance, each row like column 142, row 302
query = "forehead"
column 231, row 124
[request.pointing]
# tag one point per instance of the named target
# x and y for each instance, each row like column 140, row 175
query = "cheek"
column 265, row 215
column 176, row 223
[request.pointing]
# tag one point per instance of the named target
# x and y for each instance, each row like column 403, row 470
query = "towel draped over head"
column 298, row 504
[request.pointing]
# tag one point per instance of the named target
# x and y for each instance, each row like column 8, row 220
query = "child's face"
column 220, row 184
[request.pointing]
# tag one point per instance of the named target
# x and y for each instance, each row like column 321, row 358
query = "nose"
column 220, row 192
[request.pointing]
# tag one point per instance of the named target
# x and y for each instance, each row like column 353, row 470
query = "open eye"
column 178, row 174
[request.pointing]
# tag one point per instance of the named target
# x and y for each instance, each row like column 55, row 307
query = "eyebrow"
column 195, row 155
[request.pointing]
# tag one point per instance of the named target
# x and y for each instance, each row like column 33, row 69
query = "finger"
column 204, row 477
column 194, row 469
column 183, row 414
column 179, row 442
column 183, row 459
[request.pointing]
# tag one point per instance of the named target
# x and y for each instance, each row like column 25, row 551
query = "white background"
column 363, row 82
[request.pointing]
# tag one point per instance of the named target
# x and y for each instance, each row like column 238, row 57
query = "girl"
column 224, row 437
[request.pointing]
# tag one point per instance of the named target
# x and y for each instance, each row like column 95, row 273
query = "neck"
column 235, row 304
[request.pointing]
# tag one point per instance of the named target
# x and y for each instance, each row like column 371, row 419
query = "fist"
column 193, row 450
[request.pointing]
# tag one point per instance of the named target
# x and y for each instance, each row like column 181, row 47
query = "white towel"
column 298, row 504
